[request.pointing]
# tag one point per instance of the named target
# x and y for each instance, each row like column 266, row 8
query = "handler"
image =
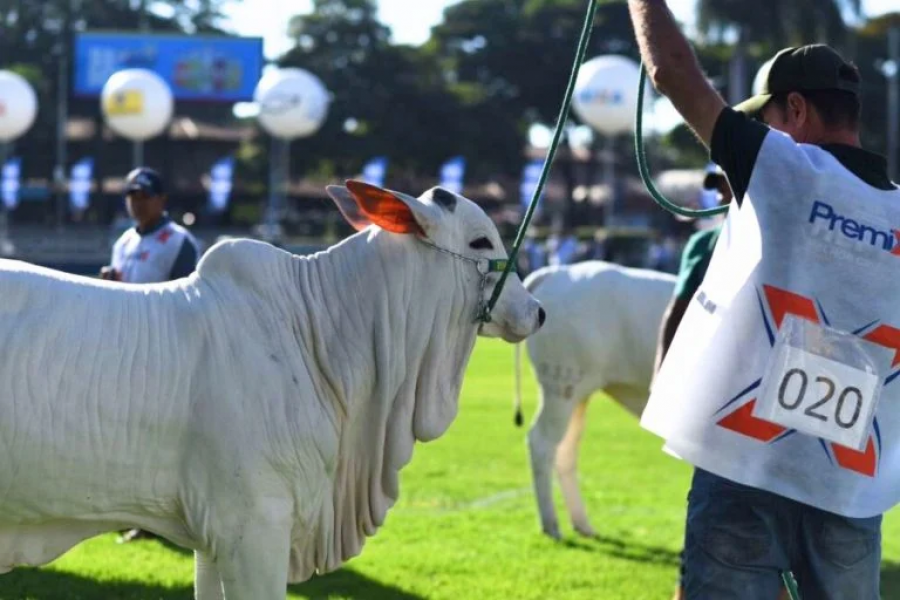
column 772, row 381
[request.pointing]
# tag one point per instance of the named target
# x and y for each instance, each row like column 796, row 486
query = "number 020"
column 847, row 394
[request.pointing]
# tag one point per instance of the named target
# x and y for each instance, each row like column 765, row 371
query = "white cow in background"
column 258, row 411
column 600, row 335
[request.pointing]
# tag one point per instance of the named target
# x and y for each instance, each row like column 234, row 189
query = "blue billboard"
column 208, row 68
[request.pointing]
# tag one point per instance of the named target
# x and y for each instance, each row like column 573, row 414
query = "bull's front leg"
column 253, row 557
column 207, row 582
column 566, row 467
column 543, row 438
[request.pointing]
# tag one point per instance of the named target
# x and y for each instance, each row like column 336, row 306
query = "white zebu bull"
column 258, row 411
column 600, row 336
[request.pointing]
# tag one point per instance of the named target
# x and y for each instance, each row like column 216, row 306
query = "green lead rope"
column 645, row 171
column 790, row 585
column 551, row 153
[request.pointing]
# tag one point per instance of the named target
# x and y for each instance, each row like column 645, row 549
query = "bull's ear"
column 346, row 203
column 392, row 211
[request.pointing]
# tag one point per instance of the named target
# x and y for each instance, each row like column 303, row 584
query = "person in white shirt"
column 156, row 249
column 808, row 241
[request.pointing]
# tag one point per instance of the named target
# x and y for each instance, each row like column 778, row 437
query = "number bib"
column 822, row 382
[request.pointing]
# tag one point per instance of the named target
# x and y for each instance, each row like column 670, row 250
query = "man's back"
column 776, row 498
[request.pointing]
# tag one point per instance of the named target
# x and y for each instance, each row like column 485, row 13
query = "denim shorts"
column 739, row 539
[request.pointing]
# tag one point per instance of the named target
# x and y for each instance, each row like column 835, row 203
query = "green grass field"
column 466, row 525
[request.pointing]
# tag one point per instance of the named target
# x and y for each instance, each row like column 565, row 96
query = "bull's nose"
column 542, row 316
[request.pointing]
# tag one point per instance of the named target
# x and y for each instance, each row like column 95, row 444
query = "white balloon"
column 293, row 103
column 18, row 106
column 137, row 103
column 605, row 94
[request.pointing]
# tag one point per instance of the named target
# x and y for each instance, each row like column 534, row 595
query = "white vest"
column 149, row 258
column 811, row 243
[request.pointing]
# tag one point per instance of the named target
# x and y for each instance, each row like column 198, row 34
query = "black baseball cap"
column 802, row 69
column 144, row 180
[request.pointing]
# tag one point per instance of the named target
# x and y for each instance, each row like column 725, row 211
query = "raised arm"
column 673, row 68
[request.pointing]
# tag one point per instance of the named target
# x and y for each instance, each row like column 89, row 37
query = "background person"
column 156, row 249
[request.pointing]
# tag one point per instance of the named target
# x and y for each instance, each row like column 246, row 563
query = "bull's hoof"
column 552, row 531
column 585, row 531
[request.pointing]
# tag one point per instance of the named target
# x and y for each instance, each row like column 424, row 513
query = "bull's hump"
column 242, row 260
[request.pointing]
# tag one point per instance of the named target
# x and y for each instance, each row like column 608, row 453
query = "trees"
column 871, row 52
column 767, row 25
column 764, row 26
column 778, row 23
column 520, row 51
column 511, row 58
column 490, row 70
column 387, row 99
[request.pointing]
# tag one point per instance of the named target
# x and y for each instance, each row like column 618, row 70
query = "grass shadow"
column 351, row 585
column 175, row 547
column 46, row 584
column 625, row 550
column 890, row 579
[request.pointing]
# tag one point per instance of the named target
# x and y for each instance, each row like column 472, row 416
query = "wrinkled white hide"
column 257, row 412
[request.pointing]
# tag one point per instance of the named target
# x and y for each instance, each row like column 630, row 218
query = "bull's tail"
column 517, row 419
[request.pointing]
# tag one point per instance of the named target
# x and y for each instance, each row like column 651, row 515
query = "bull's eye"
column 481, row 243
